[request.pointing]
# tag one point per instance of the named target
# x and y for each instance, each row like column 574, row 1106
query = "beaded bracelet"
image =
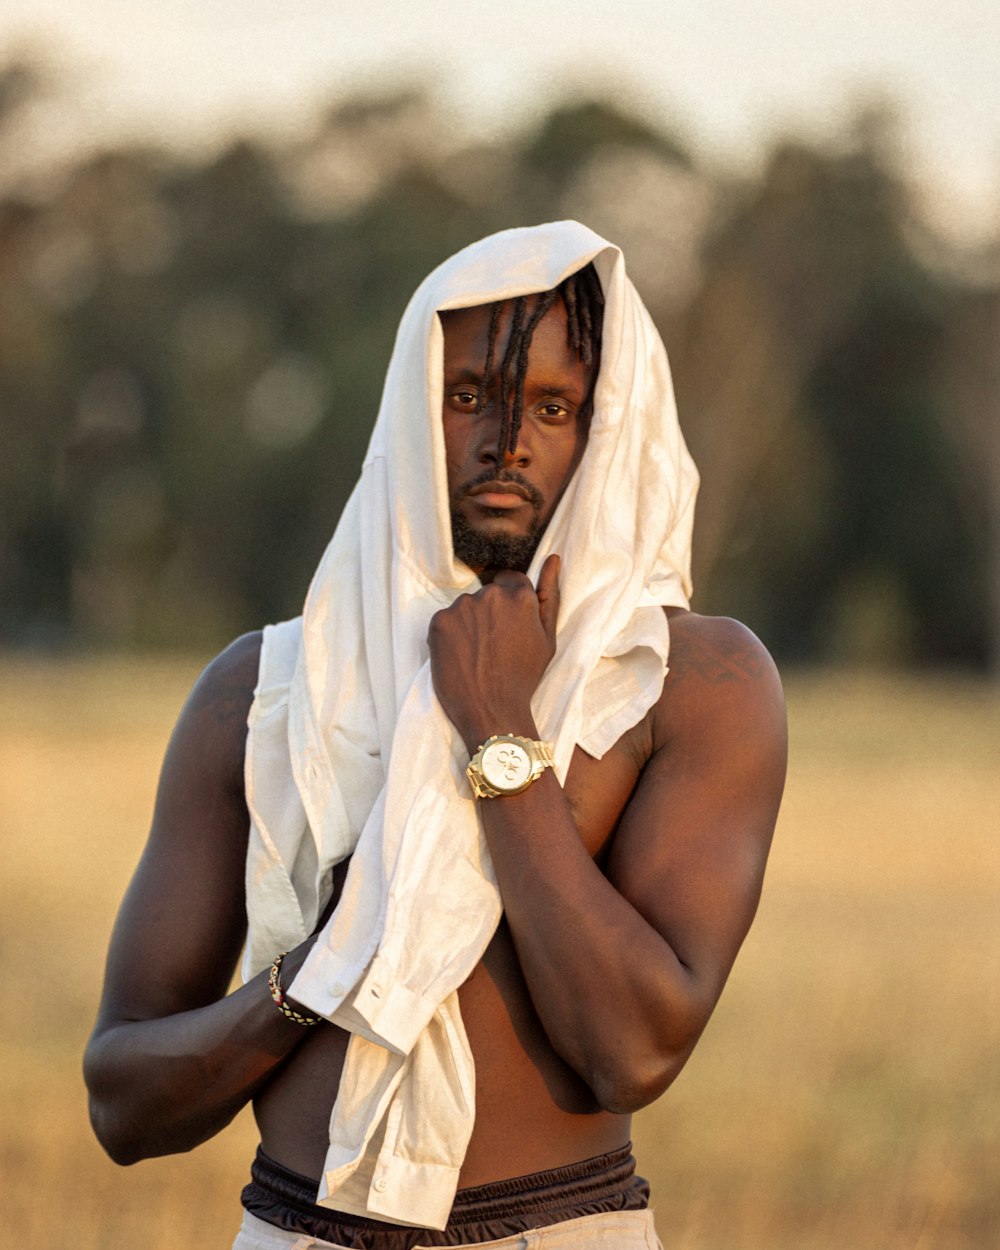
column 278, row 994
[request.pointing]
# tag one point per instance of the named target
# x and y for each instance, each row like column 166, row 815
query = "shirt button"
column 380, row 1185
column 336, row 989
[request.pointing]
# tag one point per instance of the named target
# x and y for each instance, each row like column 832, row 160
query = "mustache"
column 535, row 496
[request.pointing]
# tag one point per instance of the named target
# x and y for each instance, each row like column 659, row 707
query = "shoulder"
column 231, row 677
column 717, row 649
column 211, row 732
column 720, row 678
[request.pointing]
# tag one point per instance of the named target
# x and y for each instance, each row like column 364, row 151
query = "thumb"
column 548, row 597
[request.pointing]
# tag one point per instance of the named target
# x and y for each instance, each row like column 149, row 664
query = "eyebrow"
column 573, row 393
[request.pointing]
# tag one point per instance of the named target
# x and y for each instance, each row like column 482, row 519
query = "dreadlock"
column 584, row 303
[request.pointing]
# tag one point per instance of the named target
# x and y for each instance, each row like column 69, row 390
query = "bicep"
column 691, row 847
column 182, row 921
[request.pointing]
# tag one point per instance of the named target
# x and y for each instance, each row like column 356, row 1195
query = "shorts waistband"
column 490, row 1212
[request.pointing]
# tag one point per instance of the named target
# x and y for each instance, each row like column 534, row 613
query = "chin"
column 492, row 548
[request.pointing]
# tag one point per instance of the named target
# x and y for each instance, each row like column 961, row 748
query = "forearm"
column 624, row 969
column 161, row 1086
column 614, row 999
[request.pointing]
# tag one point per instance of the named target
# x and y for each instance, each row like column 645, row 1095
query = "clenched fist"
column 489, row 651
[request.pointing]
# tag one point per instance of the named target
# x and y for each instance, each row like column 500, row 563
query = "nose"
column 495, row 448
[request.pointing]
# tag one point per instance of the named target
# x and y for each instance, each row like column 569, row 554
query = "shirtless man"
column 626, row 891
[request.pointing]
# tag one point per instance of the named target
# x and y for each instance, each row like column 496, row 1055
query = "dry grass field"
column 846, row 1094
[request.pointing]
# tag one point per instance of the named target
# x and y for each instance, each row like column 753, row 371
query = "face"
column 500, row 504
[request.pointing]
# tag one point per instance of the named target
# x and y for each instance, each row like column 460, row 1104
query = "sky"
column 728, row 75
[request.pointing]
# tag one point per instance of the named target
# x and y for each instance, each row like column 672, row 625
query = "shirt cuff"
column 378, row 1006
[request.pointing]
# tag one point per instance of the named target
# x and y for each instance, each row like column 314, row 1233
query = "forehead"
column 466, row 336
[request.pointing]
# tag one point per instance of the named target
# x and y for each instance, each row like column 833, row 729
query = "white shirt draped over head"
column 349, row 750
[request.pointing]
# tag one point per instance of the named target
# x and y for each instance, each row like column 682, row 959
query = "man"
column 509, row 803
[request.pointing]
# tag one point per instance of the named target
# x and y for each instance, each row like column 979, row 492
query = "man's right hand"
column 489, row 651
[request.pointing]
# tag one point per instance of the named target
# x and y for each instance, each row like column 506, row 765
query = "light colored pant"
column 613, row 1230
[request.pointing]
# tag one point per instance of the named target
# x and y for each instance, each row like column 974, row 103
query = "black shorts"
column 605, row 1183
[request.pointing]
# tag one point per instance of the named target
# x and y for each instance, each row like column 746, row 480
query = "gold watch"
column 507, row 764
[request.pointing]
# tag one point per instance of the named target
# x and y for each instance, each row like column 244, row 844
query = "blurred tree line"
column 191, row 355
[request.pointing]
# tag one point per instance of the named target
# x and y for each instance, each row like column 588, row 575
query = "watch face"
column 506, row 765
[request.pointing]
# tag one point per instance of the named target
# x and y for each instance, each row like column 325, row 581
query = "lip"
column 499, row 495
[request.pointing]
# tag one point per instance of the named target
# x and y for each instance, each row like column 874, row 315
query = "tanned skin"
column 626, row 893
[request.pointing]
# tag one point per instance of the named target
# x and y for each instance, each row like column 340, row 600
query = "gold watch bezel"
column 539, row 757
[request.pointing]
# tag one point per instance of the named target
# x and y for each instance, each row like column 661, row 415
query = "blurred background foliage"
column 192, row 351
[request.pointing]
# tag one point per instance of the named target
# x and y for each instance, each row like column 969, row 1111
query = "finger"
column 509, row 577
column 548, row 596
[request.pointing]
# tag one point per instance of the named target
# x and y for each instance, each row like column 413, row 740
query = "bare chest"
column 524, row 1092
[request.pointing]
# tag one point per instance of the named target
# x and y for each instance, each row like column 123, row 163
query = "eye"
column 553, row 410
column 464, row 397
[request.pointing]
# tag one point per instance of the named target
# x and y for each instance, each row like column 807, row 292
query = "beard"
column 496, row 551
column 493, row 551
